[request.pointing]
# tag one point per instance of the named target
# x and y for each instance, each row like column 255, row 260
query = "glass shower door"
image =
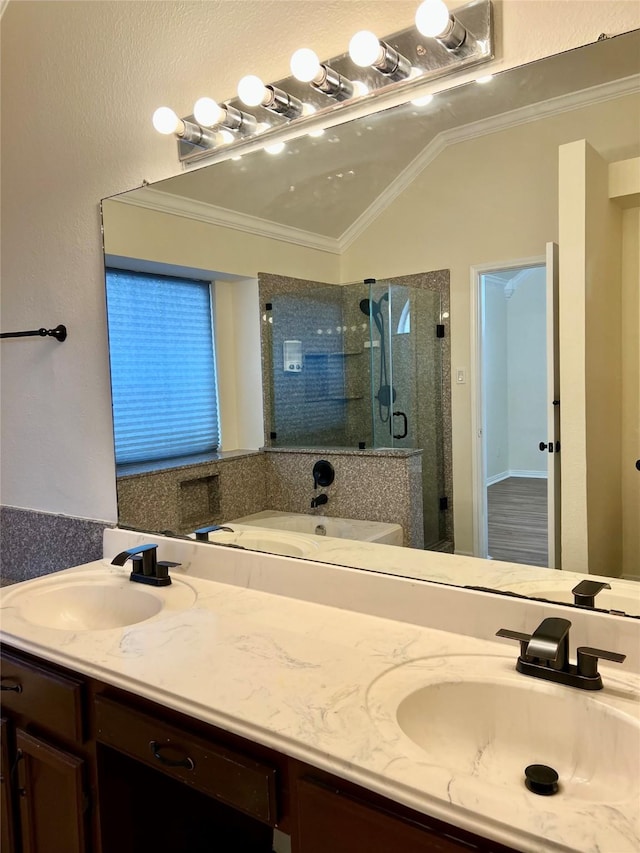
column 406, row 386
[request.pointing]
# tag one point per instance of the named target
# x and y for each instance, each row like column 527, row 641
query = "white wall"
column 527, row 364
column 514, row 372
column 79, row 82
column 496, row 385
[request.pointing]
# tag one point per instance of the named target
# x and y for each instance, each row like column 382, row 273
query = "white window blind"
column 163, row 374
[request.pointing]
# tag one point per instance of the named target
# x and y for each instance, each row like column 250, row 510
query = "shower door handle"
column 405, row 426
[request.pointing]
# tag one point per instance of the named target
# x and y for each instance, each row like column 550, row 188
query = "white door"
column 553, row 410
column 547, row 434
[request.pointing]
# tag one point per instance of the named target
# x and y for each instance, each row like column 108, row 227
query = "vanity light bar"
column 440, row 43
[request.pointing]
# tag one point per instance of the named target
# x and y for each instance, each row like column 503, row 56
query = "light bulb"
column 276, row 148
column 251, row 90
column 305, row 65
column 360, row 89
column 166, row 121
column 423, row 101
column 208, row 113
column 365, row 48
column 432, row 18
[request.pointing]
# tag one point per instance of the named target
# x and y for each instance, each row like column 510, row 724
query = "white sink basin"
column 92, row 600
column 279, row 542
column 479, row 718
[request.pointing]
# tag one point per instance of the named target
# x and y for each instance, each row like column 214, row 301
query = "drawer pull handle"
column 156, row 748
column 17, row 688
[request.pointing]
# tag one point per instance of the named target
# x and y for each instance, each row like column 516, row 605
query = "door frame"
column 476, row 378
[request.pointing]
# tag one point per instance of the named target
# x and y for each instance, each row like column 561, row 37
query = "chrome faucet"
column 146, row 567
column 545, row 654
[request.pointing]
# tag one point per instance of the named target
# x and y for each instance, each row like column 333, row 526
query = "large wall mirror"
column 457, row 198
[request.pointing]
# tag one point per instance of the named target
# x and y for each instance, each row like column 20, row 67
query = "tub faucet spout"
column 319, row 500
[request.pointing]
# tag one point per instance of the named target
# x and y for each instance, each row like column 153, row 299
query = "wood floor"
column 517, row 512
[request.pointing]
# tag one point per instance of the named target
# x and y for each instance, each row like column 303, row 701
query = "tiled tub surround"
column 36, row 543
column 372, row 485
column 184, row 496
column 314, row 648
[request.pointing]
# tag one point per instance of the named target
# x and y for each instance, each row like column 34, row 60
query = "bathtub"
column 322, row 525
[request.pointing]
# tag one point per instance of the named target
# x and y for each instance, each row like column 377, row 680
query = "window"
column 163, row 374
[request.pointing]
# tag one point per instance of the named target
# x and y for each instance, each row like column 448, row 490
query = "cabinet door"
column 7, row 827
column 52, row 803
column 332, row 822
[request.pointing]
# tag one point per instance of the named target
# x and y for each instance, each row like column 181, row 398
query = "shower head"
column 369, row 306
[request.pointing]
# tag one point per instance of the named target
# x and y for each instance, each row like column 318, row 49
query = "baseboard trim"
column 515, row 472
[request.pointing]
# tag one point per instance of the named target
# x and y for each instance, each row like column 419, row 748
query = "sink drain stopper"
column 541, row 779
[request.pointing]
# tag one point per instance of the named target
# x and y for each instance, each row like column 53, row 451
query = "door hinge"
column 444, row 504
column 439, row 330
column 273, row 436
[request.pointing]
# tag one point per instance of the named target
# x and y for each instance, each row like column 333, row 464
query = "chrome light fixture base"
column 431, row 59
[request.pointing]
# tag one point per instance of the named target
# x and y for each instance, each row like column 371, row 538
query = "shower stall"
column 364, row 366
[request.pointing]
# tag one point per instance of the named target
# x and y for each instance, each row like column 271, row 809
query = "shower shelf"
column 333, row 354
column 342, row 399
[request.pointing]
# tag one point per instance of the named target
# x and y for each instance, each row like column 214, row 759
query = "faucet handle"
column 523, row 639
column 588, row 660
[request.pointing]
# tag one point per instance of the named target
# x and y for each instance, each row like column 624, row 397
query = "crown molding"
column 176, row 205
column 162, row 202
column 493, row 124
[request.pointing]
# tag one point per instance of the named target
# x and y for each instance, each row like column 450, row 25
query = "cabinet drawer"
column 49, row 700
column 222, row 773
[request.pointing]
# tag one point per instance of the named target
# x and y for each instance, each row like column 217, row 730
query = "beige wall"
column 487, row 200
column 590, row 364
column 137, row 232
column 79, row 82
column 630, row 392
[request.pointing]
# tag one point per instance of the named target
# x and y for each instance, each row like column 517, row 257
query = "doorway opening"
column 512, row 469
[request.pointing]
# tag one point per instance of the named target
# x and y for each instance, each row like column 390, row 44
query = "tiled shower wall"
column 329, row 401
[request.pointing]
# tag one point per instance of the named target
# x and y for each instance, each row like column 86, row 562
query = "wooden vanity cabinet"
column 88, row 768
column 47, row 788
column 333, row 815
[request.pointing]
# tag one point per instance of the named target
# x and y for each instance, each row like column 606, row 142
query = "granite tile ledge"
column 36, row 543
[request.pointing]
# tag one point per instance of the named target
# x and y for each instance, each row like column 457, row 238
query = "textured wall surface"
column 182, row 498
column 36, row 543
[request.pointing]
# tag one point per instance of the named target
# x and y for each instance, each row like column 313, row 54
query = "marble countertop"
column 299, row 677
